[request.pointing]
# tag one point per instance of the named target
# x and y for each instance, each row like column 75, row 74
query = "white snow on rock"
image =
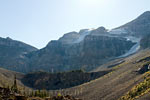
column 118, row 31
column 80, row 36
column 134, row 48
column 133, row 39
column 83, row 34
column 75, row 37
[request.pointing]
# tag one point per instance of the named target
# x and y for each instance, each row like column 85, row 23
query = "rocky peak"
column 69, row 37
column 138, row 27
column 142, row 19
column 102, row 29
column 145, row 15
column 99, row 31
column 8, row 38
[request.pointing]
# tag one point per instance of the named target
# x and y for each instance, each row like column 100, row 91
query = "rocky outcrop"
column 145, row 68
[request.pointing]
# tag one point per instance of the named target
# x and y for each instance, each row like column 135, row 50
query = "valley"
column 92, row 64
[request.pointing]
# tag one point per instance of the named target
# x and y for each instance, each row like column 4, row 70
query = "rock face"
column 12, row 54
column 88, row 54
column 145, row 42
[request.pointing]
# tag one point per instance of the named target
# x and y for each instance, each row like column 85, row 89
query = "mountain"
column 86, row 49
column 90, row 48
column 12, row 54
column 82, row 53
column 138, row 27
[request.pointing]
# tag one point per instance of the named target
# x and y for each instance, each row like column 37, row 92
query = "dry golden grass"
column 7, row 79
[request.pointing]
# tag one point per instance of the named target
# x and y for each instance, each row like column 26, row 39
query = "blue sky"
column 36, row 22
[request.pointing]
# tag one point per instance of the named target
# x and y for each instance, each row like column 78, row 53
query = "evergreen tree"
column 14, row 87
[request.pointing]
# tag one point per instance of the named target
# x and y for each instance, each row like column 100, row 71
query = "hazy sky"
column 36, row 22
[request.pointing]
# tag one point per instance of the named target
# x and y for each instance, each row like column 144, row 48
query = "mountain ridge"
column 12, row 55
column 139, row 27
column 76, row 50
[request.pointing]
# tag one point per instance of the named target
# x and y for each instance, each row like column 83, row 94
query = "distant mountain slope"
column 12, row 54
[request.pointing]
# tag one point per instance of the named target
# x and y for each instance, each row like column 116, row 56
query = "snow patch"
column 134, row 48
column 133, row 39
column 83, row 34
column 118, row 31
